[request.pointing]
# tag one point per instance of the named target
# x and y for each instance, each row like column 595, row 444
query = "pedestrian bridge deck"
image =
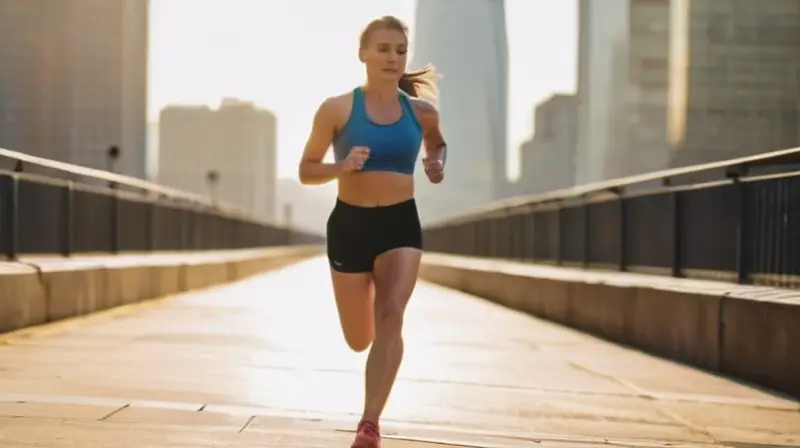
column 261, row 363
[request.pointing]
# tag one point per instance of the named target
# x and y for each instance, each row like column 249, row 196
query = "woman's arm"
column 312, row 170
column 435, row 146
column 428, row 116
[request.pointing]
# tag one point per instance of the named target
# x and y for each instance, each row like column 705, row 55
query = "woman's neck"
column 382, row 92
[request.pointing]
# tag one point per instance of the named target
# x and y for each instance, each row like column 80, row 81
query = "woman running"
column 374, row 237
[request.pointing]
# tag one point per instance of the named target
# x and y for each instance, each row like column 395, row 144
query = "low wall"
column 750, row 333
column 39, row 290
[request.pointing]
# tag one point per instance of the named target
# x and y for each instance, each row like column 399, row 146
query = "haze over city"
column 285, row 58
column 590, row 238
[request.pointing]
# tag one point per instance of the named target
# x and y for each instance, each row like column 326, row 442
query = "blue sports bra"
column 392, row 147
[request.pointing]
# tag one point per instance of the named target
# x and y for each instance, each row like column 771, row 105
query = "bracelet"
column 443, row 158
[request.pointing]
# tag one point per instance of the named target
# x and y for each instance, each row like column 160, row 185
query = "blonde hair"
column 419, row 83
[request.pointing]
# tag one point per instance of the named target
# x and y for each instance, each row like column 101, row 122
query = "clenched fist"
column 434, row 169
column 355, row 160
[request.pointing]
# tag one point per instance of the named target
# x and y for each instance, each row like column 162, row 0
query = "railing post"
column 149, row 228
column 10, row 216
column 742, row 232
column 677, row 269
column 559, row 231
column 521, row 234
column 623, row 260
column 114, row 222
column 586, row 231
column 530, row 232
column 67, row 212
column 472, row 225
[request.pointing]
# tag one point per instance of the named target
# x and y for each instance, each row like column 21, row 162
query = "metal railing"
column 51, row 207
column 734, row 220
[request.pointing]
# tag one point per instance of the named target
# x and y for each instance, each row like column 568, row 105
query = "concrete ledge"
column 751, row 333
column 38, row 290
column 23, row 300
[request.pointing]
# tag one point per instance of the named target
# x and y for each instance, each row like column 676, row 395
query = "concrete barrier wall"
column 39, row 290
column 750, row 333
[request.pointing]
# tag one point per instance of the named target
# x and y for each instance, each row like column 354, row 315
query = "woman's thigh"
column 355, row 301
column 396, row 272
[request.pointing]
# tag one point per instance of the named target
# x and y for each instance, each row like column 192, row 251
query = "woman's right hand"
column 355, row 160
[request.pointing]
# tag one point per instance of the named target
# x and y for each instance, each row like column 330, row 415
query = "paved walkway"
column 261, row 363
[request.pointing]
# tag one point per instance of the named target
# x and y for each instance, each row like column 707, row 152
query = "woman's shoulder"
column 337, row 106
column 426, row 111
column 336, row 101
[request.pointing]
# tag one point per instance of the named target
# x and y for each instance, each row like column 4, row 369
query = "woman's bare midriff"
column 375, row 188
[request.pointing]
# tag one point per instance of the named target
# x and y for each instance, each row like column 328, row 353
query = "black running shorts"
column 356, row 235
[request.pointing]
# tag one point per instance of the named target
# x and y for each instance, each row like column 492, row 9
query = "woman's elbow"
column 305, row 172
column 302, row 174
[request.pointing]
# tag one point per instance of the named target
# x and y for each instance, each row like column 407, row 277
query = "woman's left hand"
column 434, row 169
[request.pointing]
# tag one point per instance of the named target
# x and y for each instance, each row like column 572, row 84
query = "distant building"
column 73, row 80
column 466, row 40
column 548, row 159
column 734, row 79
column 622, row 88
column 229, row 153
column 152, row 150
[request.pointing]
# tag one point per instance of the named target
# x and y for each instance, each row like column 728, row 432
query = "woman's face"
column 385, row 54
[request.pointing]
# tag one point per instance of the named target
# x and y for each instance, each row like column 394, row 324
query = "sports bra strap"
column 405, row 100
column 359, row 111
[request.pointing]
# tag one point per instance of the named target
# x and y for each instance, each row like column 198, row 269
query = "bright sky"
column 287, row 55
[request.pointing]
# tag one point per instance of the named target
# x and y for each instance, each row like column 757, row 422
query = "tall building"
column 466, row 40
column 73, row 80
column 622, row 88
column 229, row 153
column 548, row 159
column 734, row 78
column 151, row 159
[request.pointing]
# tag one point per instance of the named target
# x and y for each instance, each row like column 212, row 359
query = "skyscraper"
column 622, row 88
column 548, row 159
column 229, row 153
column 734, row 79
column 466, row 41
column 74, row 80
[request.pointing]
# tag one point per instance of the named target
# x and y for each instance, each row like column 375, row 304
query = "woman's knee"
column 357, row 343
column 389, row 317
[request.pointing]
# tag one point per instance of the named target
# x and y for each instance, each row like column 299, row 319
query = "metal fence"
column 736, row 220
column 49, row 207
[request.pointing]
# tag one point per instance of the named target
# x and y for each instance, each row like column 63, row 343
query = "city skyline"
column 198, row 59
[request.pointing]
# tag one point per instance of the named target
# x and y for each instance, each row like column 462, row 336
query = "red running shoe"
column 367, row 436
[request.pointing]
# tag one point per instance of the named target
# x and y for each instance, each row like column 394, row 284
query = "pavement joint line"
column 697, row 429
column 452, row 431
column 114, row 412
column 440, row 442
column 548, row 437
column 246, row 424
column 648, row 395
column 524, row 437
column 202, row 407
column 622, row 382
column 645, row 394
